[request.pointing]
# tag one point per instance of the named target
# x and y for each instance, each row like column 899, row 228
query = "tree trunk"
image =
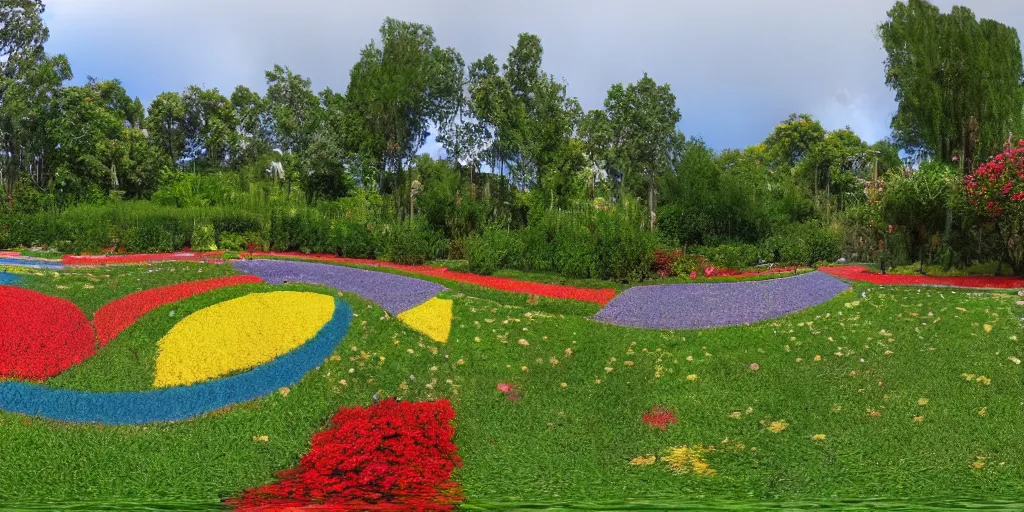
column 650, row 199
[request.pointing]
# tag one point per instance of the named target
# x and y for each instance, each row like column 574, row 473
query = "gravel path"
column 392, row 292
column 700, row 305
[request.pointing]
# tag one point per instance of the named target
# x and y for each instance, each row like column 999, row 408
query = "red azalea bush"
column 997, row 187
column 118, row 314
column 41, row 336
column 389, row 456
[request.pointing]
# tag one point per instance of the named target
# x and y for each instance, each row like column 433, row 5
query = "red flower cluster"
column 389, row 456
column 117, row 315
column 557, row 291
column 998, row 182
column 858, row 273
column 660, row 417
column 121, row 259
column 664, row 262
column 41, row 336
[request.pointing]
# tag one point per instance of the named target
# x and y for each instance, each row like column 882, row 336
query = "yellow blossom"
column 778, row 426
column 818, row 437
column 918, row 419
column 922, row 401
column 691, row 377
column 433, row 318
column 642, row 461
column 684, row 459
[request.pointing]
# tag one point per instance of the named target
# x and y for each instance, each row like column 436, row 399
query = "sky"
column 737, row 67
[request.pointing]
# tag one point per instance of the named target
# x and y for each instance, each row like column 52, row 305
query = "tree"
column 27, row 76
column 643, row 118
column 209, row 127
column 166, row 124
column 253, row 129
column 792, row 139
column 957, row 81
column 398, row 88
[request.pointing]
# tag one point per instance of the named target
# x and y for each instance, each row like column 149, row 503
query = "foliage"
column 957, row 80
column 997, row 187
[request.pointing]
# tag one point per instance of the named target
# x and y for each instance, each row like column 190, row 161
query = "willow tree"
column 956, row 80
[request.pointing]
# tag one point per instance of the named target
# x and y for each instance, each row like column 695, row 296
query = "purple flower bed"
column 699, row 305
column 392, row 292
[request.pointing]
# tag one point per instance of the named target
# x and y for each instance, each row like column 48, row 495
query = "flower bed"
column 9, row 278
column 392, row 292
column 389, row 456
column 702, row 305
column 859, row 273
column 117, row 315
column 239, row 334
column 179, row 402
column 121, row 259
column 41, row 336
column 433, row 318
column 31, row 263
column 556, row 291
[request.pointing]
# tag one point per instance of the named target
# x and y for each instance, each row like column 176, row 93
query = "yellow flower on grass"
column 433, row 318
column 642, row 461
column 818, row 437
column 922, row 401
column 684, row 459
column 778, row 426
column 239, row 334
column 988, row 327
column 691, row 377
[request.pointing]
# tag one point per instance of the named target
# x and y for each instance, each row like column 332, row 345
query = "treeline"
column 528, row 179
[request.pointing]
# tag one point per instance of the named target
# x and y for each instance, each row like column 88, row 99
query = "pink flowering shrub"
column 997, row 188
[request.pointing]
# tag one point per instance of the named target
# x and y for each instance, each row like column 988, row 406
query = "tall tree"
column 643, row 118
column 27, row 75
column 398, row 88
column 792, row 139
column 166, row 124
column 957, row 81
column 253, row 127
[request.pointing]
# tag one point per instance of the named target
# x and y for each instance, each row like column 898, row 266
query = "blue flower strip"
column 182, row 402
column 31, row 263
column 8, row 278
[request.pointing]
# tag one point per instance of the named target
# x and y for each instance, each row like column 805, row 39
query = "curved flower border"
column 176, row 403
column 119, row 314
column 859, row 273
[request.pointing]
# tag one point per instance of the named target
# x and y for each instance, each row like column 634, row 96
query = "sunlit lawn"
column 877, row 374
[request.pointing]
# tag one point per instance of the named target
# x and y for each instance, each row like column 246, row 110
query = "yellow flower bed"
column 433, row 318
column 239, row 334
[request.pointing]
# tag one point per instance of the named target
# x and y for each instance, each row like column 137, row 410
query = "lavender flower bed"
column 700, row 305
column 392, row 292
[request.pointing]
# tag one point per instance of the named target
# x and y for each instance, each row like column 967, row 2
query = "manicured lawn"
column 889, row 395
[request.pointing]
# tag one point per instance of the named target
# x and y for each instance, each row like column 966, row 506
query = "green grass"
column 572, row 444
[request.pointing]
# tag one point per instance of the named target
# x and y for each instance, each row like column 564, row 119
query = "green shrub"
column 732, row 256
column 803, row 244
column 203, row 237
column 624, row 249
column 493, row 250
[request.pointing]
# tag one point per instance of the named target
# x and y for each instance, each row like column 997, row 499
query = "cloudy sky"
column 737, row 67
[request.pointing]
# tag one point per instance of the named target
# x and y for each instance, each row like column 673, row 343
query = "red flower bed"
column 9, row 254
column 121, row 259
column 41, row 336
column 858, row 273
column 118, row 314
column 659, row 417
column 389, row 456
column 557, row 291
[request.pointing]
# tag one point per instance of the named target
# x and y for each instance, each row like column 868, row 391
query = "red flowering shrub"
column 118, row 314
column 664, row 262
column 997, row 187
column 41, row 336
column 659, row 417
column 389, row 456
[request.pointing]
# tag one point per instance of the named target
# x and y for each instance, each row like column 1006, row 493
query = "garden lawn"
column 878, row 374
